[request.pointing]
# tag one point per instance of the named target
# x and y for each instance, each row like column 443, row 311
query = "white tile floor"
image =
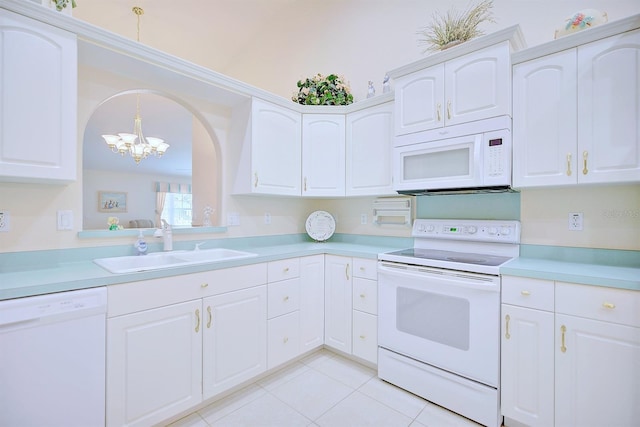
column 323, row 389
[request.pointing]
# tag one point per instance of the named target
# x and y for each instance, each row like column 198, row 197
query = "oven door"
column 445, row 318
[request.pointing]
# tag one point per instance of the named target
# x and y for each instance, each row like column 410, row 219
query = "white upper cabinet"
column 565, row 133
column 544, row 120
column 471, row 87
column 270, row 162
column 609, row 109
column 368, row 155
column 38, row 99
column 323, row 155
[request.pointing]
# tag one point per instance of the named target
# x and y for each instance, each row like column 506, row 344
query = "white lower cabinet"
column 154, row 364
column 351, row 319
column 311, row 302
column 570, row 354
column 337, row 302
column 174, row 341
column 283, row 311
column 235, row 338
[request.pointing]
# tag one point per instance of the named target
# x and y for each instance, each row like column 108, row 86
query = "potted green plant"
column 455, row 27
column 323, row 90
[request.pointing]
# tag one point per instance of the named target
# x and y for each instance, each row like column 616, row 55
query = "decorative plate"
column 320, row 226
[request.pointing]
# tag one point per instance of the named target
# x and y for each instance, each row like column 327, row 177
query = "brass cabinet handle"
column 362, row 295
column 346, row 271
column 525, row 293
column 204, row 285
column 255, row 182
column 285, row 340
column 197, row 320
column 439, row 115
column 507, row 335
column 563, row 347
column 286, row 269
column 609, row 305
column 568, row 164
column 305, row 183
column 210, row 317
column 585, row 156
column 362, row 337
column 448, row 109
column 285, row 299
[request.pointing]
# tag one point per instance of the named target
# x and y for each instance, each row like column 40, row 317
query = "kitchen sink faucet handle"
column 197, row 248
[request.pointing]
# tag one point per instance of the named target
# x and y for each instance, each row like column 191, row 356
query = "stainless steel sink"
column 160, row 260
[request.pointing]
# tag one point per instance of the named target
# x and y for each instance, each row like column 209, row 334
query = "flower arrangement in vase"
column 323, row 90
column 456, row 27
column 62, row 4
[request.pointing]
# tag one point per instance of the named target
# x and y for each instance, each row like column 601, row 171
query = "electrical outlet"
column 267, row 218
column 575, row 221
column 363, row 219
column 233, row 218
column 4, row 221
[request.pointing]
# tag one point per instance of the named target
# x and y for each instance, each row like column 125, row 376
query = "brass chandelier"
column 136, row 144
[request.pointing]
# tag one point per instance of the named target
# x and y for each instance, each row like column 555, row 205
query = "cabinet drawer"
column 526, row 292
column 283, row 297
column 365, row 295
column 284, row 339
column 599, row 303
column 365, row 336
column 283, row 269
column 365, row 268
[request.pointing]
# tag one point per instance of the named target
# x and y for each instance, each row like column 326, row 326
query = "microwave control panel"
column 496, row 168
column 497, row 157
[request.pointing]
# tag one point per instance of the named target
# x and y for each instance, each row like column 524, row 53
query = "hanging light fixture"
column 135, row 144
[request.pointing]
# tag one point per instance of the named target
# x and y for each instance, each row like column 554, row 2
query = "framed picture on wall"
column 112, row 201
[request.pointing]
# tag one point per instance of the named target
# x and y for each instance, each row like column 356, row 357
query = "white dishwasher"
column 52, row 360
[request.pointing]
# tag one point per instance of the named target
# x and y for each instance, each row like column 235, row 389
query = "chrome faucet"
column 166, row 234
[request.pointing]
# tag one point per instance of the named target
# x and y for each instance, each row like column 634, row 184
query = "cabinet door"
column 544, row 121
column 609, row 109
column 337, row 302
column 275, row 149
column 369, row 160
column 323, row 155
column 597, row 368
column 311, row 302
column 477, row 85
column 38, row 98
column 419, row 100
column 284, row 339
column 234, row 338
column 365, row 336
column 154, row 364
column 527, row 366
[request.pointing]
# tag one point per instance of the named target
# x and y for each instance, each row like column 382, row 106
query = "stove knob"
column 430, row 228
column 493, row 230
column 505, row 231
column 471, row 230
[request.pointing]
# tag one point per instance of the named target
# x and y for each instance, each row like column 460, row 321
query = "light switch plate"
column 65, row 220
column 4, row 221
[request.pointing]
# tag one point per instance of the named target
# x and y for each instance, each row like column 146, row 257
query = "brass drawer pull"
column 568, row 164
column 609, row 305
column 197, row 320
column 525, row 293
column 210, row 317
column 585, row 156
column 204, row 285
column 563, row 347
column 507, row 335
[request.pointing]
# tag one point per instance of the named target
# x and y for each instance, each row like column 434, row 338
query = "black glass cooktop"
column 451, row 256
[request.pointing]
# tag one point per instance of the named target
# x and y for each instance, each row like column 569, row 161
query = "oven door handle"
column 461, row 278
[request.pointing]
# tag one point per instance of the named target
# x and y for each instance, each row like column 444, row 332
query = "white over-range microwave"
column 471, row 157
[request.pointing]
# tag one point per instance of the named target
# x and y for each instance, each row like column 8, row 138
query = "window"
column 177, row 209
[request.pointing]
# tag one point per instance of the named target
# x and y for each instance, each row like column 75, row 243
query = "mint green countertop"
column 68, row 273
column 43, row 272
column 599, row 267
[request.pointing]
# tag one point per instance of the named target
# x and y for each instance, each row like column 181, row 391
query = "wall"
column 365, row 38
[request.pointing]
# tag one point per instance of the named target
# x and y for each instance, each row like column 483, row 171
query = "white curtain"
column 162, row 188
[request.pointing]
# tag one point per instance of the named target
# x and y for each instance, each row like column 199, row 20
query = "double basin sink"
column 161, row 260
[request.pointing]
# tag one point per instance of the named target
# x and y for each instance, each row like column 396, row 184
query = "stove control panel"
column 471, row 230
